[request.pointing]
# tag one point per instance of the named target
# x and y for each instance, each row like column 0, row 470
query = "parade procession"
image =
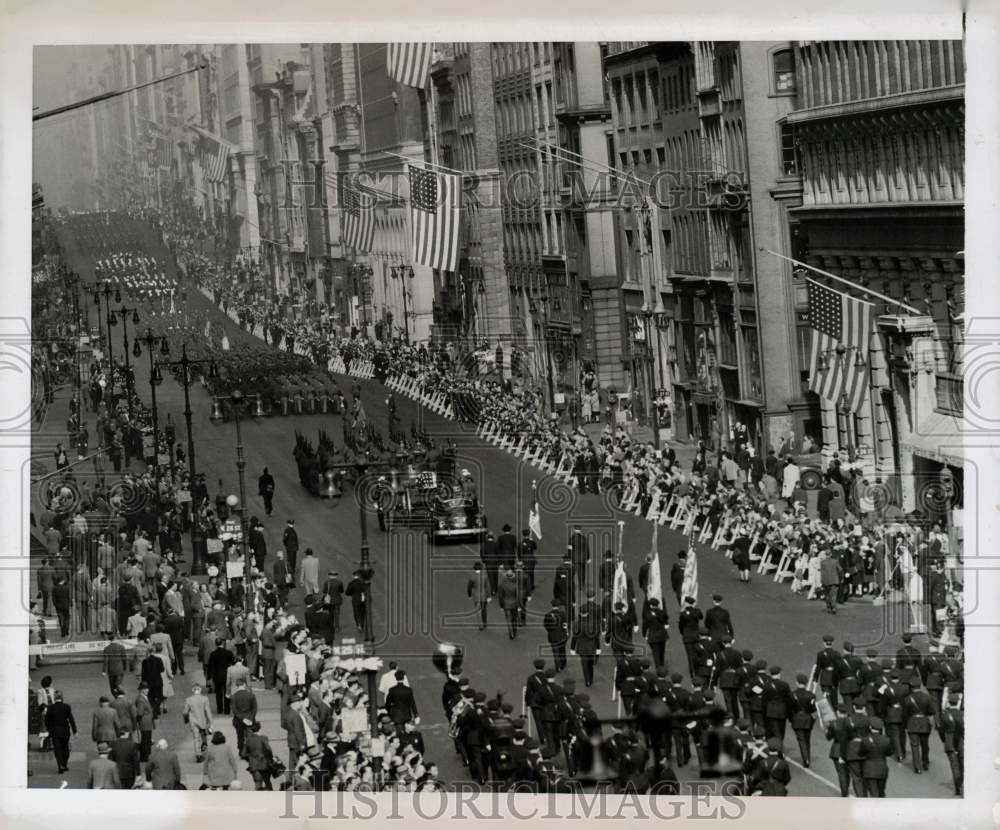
column 430, row 483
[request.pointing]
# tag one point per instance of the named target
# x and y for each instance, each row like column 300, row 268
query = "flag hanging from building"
column 842, row 328
column 434, row 218
column 163, row 151
column 409, row 63
column 214, row 156
column 359, row 220
column 534, row 518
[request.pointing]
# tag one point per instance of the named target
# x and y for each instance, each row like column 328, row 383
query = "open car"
column 432, row 502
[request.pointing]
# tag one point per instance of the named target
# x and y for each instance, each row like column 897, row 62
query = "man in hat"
column 579, row 549
column 61, row 726
column 774, row 774
column 479, row 591
column 243, row 705
column 909, row 661
column 678, row 699
column 953, row 735
column 803, row 706
column 826, row 669
column 848, row 669
column 198, row 716
column 509, row 602
column 490, row 556
column 527, row 552
column 281, row 576
column 875, row 749
column 778, row 705
column 290, row 543
column 689, row 623
column 718, row 621
column 507, row 547
column 265, row 489
column 919, row 712
column 677, row 576
column 125, row 755
column 587, row 643
column 838, row 732
column 894, row 695
column 655, row 625
column 534, row 694
column 102, row 773
column 358, row 593
column 333, row 588
column 309, row 573
column 557, row 633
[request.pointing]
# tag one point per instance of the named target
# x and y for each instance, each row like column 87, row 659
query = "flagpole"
column 841, row 279
column 594, row 164
column 439, row 167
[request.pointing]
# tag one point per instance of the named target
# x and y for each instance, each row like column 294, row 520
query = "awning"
column 939, row 438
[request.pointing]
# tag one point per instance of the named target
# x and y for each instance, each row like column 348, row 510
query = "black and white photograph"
column 500, row 417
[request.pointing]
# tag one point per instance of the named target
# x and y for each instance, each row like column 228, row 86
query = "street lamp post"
column 124, row 311
column 647, row 314
column 198, row 567
column 401, row 273
column 155, row 379
column 106, row 293
column 237, row 399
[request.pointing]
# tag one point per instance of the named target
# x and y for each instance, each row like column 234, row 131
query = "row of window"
column 512, row 57
column 832, row 72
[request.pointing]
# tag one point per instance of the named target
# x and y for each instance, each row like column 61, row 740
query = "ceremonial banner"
column 654, row 588
column 842, row 328
column 689, row 587
column 409, row 63
column 434, row 218
column 534, row 519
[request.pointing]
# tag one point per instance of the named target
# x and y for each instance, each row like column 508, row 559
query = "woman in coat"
column 220, row 764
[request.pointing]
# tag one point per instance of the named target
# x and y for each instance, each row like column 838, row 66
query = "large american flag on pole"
column 434, row 217
column 838, row 320
column 409, row 63
column 359, row 220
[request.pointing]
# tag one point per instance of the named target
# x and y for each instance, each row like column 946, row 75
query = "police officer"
column 728, row 675
column 909, row 661
column 803, row 708
column 848, row 671
column 778, row 705
column 654, row 629
column 858, row 723
column 919, row 721
column 953, row 735
column 875, row 749
column 838, row 732
column 557, row 633
column 826, row 669
column 894, row 696
column 533, row 696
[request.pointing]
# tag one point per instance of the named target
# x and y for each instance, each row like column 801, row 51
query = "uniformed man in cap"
column 919, row 721
column 838, row 732
column 909, row 661
column 703, row 655
column 858, row 723
column 678, row 699
column 894, row 695
column 728, row 662
column 533, row 693
column 875, row 749
column 774, row 772
column 557, row 633
column 803, row 717
column 826, row 669
column 848, row 671
column 654, row 628
column 778, row 705
column 757, row 684
column 953, row 735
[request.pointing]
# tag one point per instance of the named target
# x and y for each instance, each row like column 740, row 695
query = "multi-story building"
column 873, row 192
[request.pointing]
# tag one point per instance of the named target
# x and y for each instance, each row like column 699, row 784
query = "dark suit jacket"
column 152, row 673
column 125, row 753
column 243, row 704
column 718, row 622
column 59, row 720
column 778, row 702
column 586, row 636
column 400, row 704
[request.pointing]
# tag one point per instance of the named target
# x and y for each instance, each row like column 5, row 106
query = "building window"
column 783, row 71
column 789, row 151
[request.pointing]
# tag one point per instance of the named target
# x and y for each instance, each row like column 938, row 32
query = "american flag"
column 215, row 162
column 434, row 218
column 409, row 63
column 839, row 320
column 359, row 221
column 164, row 152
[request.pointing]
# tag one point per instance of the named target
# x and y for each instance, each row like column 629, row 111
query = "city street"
column 419, row 591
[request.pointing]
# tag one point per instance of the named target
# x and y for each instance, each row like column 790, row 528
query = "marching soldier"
column 728, row 675
column 848, row 669
column 953, row 735
column 803, row 717
column 757, row 683
column 894, row 695
column 909, row 661
column 875, row 749
column 654, row 628
column 826, row 669
column 838, row 732
column 778, row 706
column 620, row 630
column 703, row 654
column 557, row 632
column 587, row 643
column 534, row 696
column 919, row 721
column 858, row 724
column 774, row 774
column 871, row 679
column 678, row 699
column 689, row 623
column 931, row 676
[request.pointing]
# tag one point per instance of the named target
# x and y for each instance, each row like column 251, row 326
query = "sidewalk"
column 83, row 686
